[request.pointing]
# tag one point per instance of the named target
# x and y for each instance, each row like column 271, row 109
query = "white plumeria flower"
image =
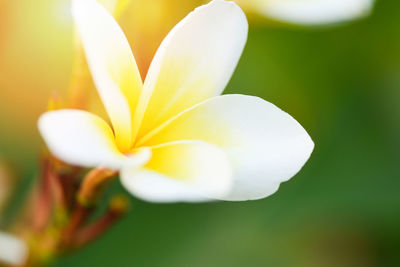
column 12, row 250
column 203, row 146
column 309, row 12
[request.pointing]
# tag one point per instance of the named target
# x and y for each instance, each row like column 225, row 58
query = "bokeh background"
column 341, row 83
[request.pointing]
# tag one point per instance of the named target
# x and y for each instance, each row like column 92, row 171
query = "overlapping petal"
column 81, row 138
column 112, row 65
column 181, row 171
column 194, row 62
column 265, row 145
column 310, row 12
column 115, row 6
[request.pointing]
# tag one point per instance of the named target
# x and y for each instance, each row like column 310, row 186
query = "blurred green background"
column 343, row 209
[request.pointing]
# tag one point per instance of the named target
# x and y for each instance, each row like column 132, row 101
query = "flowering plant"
column 170, row 136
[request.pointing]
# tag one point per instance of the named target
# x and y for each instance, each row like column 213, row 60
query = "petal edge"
column 265, row 145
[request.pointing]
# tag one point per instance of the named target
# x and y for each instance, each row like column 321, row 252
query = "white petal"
column 12, row 250
column 311, row 11
column 187, row 171
column 112, row 65
column 109, row 4
column 194, row 62
column 265, row 145
column 113, row 6
column 80, row 138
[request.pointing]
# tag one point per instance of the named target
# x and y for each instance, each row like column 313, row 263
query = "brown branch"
column 93, row 185
column 117, row 208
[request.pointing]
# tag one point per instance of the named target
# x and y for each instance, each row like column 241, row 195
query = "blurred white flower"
column 310, row 12
column 203, row 145
column 13, row 250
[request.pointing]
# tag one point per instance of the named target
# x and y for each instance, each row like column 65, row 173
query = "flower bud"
column 7, row 185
